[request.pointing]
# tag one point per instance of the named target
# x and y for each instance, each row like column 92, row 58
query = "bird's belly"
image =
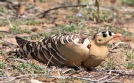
column 95, row 58
column 73, row 53
column 92, row 62
column 99, row 57
column 99, row 54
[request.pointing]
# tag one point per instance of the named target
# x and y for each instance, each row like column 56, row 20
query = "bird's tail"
column 26, row 48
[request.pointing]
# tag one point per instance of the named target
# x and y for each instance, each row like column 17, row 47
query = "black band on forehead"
column 104, row 35
column 103, row 32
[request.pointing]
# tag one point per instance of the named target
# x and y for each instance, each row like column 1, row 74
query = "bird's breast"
column 73, row 53
column 96, row 56
column 98, row 52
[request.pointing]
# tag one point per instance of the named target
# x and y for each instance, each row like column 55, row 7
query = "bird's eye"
column 99, row 40
column 110, row 33
column 104, row 35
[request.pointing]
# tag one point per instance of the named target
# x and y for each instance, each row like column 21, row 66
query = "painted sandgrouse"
column 68, row 49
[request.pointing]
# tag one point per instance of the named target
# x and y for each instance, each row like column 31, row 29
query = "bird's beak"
column 117, row 35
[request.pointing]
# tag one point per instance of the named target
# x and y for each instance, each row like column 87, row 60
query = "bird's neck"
column 97, row 54
column 96, row 44
column 97, row 50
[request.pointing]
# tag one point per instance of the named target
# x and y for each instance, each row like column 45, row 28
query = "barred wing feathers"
column 64, row 49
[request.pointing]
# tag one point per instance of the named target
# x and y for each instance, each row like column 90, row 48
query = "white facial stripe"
column 113, row 34
column 107, row 33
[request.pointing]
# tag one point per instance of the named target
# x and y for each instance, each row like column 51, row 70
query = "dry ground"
column 27, row 22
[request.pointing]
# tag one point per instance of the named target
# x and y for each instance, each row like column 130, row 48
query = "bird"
column 68, row 49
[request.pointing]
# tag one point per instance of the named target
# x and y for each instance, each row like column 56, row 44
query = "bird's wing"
column 63, row 39
column 61, row 49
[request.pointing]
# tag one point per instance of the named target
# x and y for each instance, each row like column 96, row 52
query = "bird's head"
column 104, row 37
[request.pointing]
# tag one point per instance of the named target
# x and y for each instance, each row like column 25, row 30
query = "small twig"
column 18, row 77
column 117, row 44
column 120, row 72
column 89, row 78
column 3, row 47
column 10, row 2
column 67, row 77
column 5, row 31
column 10, row 45
column 21, row 60
column 49, row 76
column 10, row 58
column 105, row 77
column 101, row 80
column 19, row 81
column 112, row 77
column 47, row 11
column 76, row 66
column 2, row 14
column 59, row 77
column 66, row 71
column 48, row 64
column 49, row 60
column 10, row 24
column 114, row 82
column 77, row 5
column 98, row 10
column 97, row 75
column 3, row 4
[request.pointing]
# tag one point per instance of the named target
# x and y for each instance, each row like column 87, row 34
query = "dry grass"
column 118, row 67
